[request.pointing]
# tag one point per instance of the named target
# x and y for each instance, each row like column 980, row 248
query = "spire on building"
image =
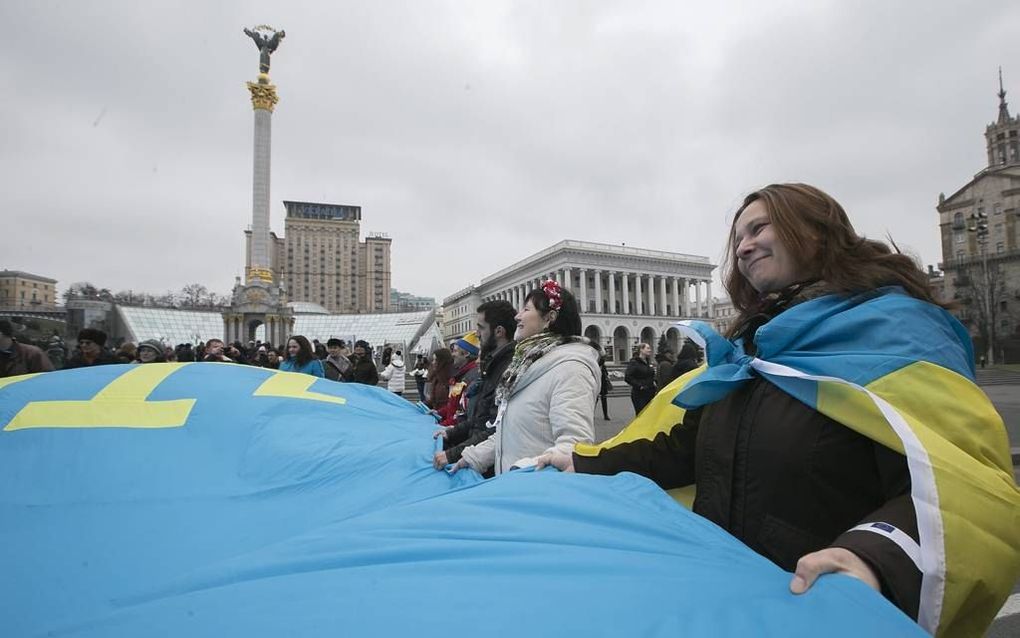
column 1003, row 106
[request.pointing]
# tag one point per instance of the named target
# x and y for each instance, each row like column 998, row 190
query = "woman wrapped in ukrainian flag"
column 837, row 428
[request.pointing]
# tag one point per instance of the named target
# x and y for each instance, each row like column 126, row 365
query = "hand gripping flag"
column 899, row 371
column 221, row 500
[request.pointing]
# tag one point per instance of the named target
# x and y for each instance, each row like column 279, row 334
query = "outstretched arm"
column 275, row 40
column 256, row 38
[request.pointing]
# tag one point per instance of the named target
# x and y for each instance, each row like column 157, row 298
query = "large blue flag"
column 218, row 500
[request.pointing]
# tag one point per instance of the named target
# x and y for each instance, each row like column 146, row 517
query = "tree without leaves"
column 193, row 295
column 982, row 295
column 85, row 290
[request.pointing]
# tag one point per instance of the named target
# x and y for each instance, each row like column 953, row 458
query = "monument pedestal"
column 258, row 303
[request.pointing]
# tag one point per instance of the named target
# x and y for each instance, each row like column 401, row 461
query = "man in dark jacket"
column 91, row 350
column 336, row 363
column 18, row 358
column 689, row 359
column 362, row 368
column 640, row 376
column 496, row 326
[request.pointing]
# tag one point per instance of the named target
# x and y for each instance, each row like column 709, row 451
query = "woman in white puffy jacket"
column 547, row 395
column 393, row 375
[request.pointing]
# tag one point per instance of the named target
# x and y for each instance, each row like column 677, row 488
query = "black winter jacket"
column 640, row 376
column 786, row 480
column 362, row 370
column 481, row 407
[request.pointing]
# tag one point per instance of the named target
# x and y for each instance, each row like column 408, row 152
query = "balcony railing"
column 971, row 260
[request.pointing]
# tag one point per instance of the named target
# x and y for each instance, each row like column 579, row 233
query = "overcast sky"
column 475, row 133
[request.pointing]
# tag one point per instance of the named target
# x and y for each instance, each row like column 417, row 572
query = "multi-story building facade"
column 459, row 316
column 25, row 291
column 321, row 259
column 627, row 295
column 406, row 302
column 980, row 232
column 723, row 315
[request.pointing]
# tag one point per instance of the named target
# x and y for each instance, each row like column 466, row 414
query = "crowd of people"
column 810, row 493
column 334, row 360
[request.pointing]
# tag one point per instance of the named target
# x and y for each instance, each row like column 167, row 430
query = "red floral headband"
column 553, row 293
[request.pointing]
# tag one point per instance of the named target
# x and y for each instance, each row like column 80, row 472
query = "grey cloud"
column 476, row 133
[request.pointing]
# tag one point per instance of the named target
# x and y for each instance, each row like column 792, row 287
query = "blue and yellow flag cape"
column 899, row 371
column 221, row 500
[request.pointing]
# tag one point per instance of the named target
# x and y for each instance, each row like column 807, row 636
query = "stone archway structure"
column 621, row 344
column 258, row 303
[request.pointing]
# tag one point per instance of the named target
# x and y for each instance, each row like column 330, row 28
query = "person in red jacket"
column 465, row 372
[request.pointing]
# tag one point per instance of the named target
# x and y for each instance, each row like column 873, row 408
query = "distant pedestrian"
column 91, row 350
column 394, row 374
column 689, row 358
column 214, row 352
column 320, row 350
column 151, row 351
column 185, row 353
column 56, row 352
column 437, row 387
column 640, row 376
column 336, row 363
column 19, row 358
column 127, row 352
column 665, row 362
column 605, row 387
column 363, row 368
column 421, row 370
column 301, row 358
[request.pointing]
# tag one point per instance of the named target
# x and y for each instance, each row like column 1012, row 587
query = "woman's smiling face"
column 761, row 257
column 530, row 321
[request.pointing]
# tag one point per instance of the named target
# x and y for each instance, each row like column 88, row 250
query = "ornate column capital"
column 263, row 96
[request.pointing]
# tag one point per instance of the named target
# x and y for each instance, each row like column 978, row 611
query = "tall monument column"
column 260, row 303
column 263, row 99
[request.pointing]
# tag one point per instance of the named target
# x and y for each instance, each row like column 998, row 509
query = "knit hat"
column 97, row 337
column 468, row 343
column 152, row 344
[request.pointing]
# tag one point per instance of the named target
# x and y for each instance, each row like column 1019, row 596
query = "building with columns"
column 627, row 295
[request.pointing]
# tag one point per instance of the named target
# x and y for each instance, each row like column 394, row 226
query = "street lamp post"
column 979, row 226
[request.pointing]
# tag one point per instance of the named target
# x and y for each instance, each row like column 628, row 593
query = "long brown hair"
column 443, row 365
column 816, row 230
column 305, row 352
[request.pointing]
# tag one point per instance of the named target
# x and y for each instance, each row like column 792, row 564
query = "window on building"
column 960, row 237
column 1000, row 247
column 997, row 209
